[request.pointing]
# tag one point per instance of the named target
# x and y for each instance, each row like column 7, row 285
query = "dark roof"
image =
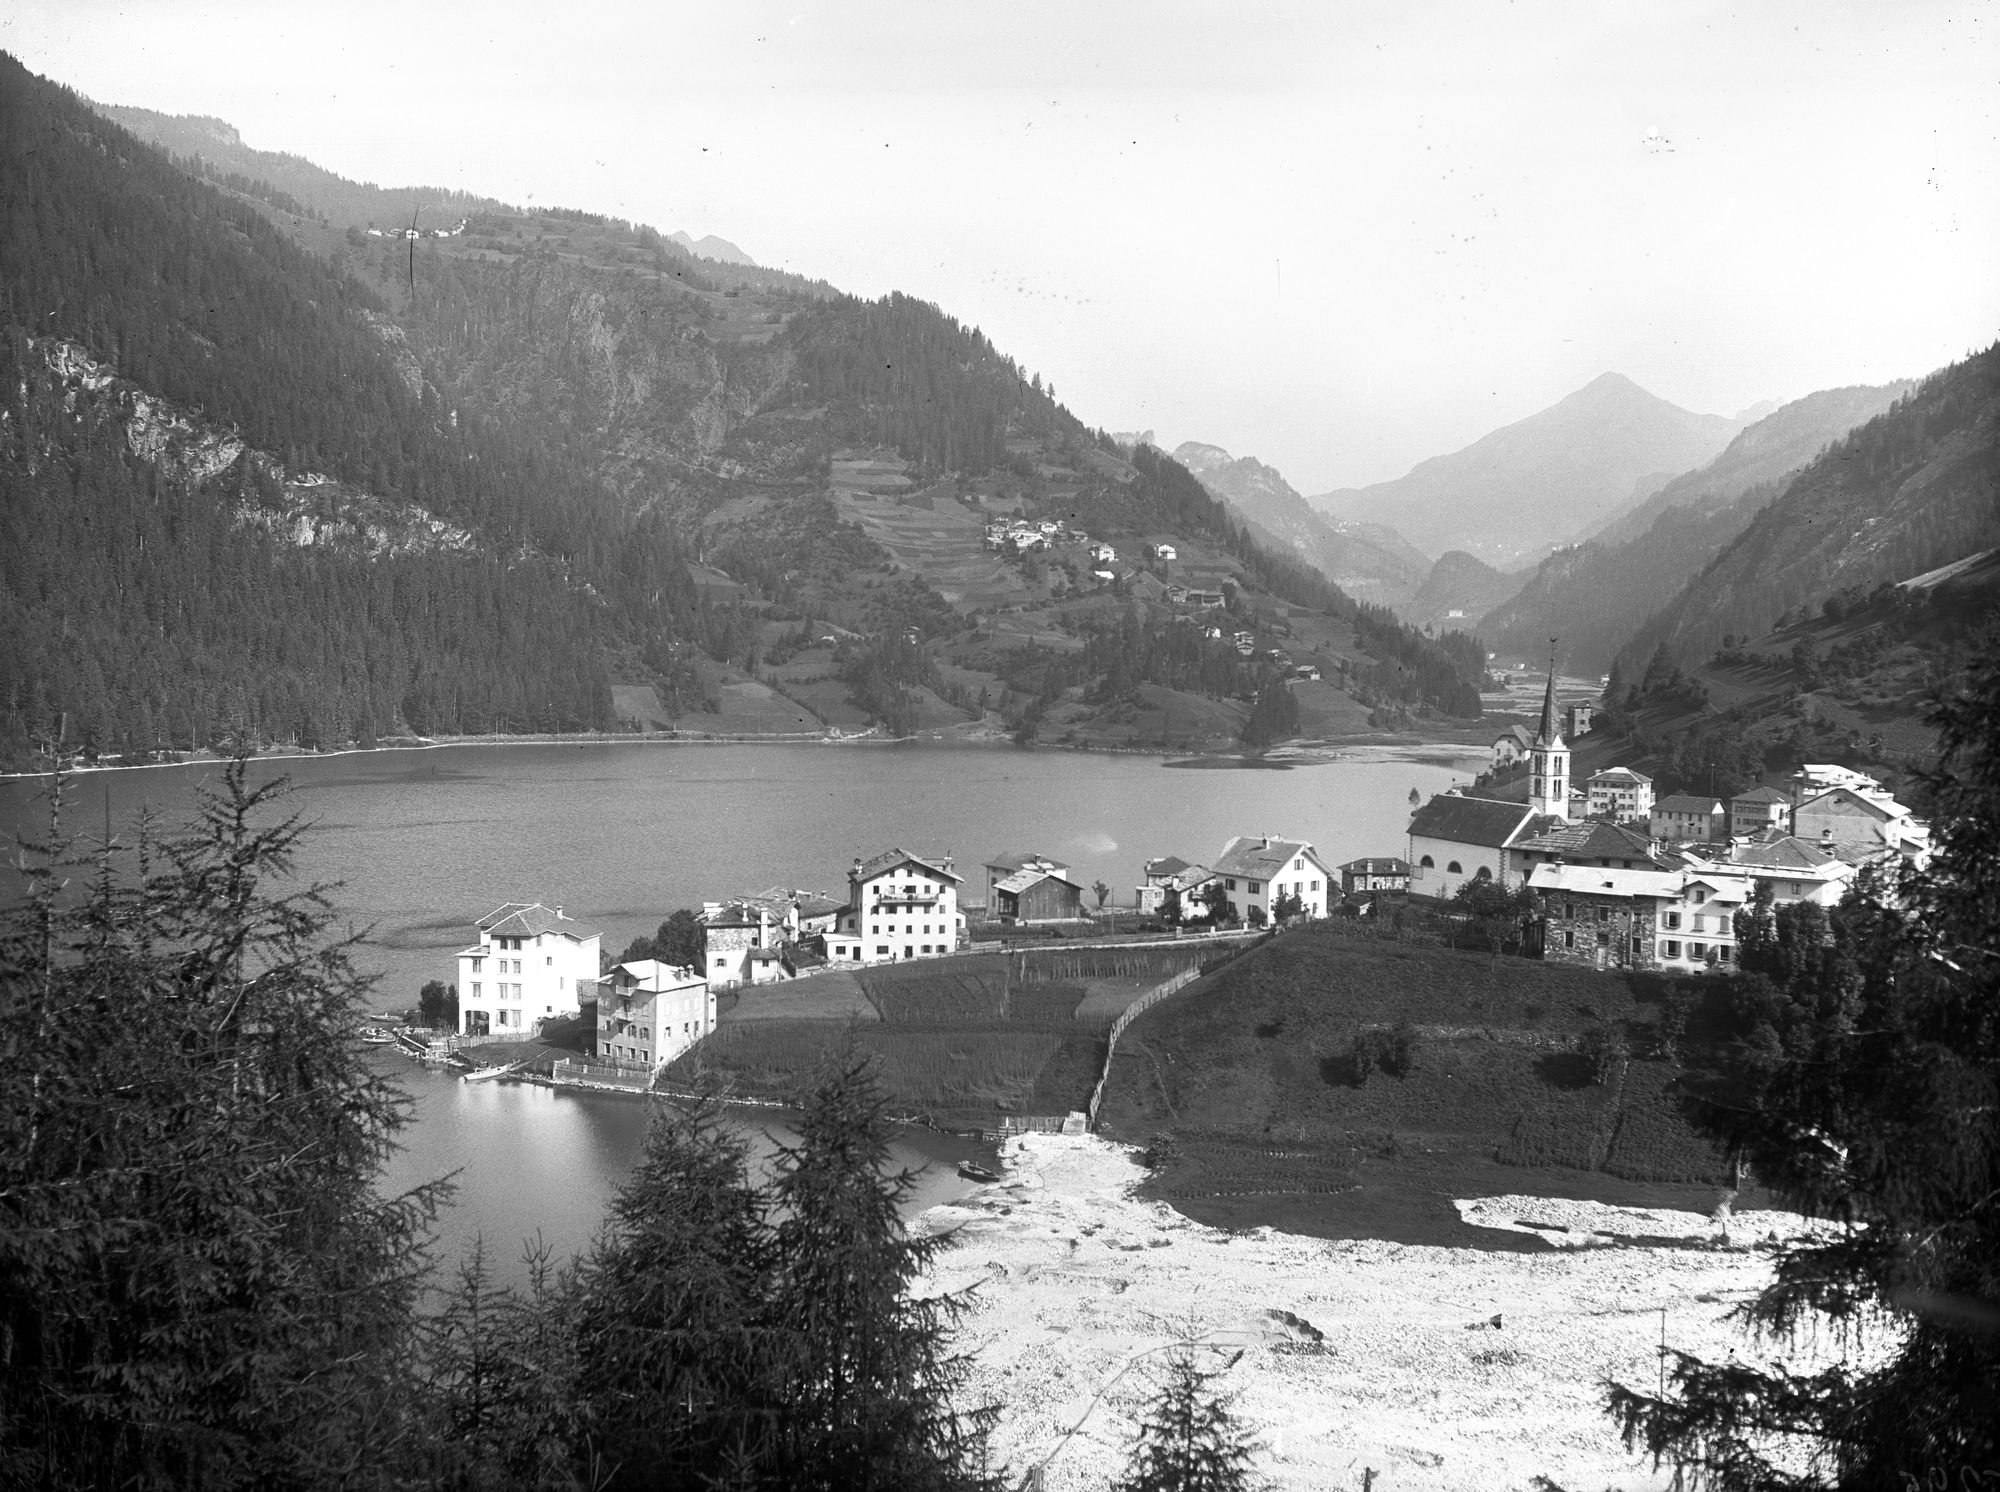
column 1166, row 865
column 1760, row 795
column 1588, row 841
column 517, row 919
column 1463, row 820
column 1014, row 860
column 1548, row 735
column 1688, row 803
column 1782, row 851
column 1258, row 857
column 1378, row 867
column 891, row 859
column 1619, row 771
column 1513, row 791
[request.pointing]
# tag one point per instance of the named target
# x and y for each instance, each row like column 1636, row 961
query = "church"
column 1459, row 837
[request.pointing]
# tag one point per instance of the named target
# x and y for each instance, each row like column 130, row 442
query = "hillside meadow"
column 1246, row 1090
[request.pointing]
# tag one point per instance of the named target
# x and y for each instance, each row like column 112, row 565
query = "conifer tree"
column 676, row 1371
column 1872, row 1094
column 198, row 1284
column 869, row 1373
column 1189, row 1441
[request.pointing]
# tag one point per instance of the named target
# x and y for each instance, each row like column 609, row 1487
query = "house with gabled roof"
column 1679, row 921
column 1759, row 809
column 1511, row 745
column 1012, row 862
column 1862, row 825
column 1588, row 842
column 1037, row 893
column 530, row 962
column 1621, row 795
column 1683, row 817
column 648, row 1013
column 899, row 906
column 1183, row 879
column 1257, row 871
column 1374, row 875
column 1795, row 869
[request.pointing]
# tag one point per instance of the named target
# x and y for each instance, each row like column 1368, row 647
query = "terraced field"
column 938, row 537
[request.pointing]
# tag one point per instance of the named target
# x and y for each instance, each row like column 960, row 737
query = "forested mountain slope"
column 1914, row 488
column 150, row 598
column 462, row 489
column 1596, row 595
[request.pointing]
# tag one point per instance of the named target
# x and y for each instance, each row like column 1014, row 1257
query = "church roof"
column 1462, row 820
column 1549, row 737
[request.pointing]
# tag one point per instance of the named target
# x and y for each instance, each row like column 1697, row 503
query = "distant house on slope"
column 1511, row 745
column 1171, row 874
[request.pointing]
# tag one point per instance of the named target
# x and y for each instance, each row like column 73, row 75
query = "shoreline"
column 1343, row 749
column 1440, row 1368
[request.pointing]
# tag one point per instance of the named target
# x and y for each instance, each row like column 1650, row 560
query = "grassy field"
column 1247, row 1085
column 960, row 1040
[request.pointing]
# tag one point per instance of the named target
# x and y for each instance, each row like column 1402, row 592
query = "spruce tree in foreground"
column 1188, row 1440
column 868, row 1371
column 198, row 1284
column 1872, row 1094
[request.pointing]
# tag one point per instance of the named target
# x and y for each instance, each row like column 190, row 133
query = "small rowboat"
column 972, row 1171
column 480, row 1075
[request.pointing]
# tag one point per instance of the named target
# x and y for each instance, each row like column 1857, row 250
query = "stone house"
column 648, row 1013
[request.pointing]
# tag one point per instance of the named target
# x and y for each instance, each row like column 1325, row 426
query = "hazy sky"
column 1339, row 237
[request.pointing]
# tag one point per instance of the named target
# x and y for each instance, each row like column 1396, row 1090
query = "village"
column 1600, row 875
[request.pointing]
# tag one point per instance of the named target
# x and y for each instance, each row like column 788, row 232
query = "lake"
column 422, row 843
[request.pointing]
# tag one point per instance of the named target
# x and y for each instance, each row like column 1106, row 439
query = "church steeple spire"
column 1548, row 757
column 1548, row 734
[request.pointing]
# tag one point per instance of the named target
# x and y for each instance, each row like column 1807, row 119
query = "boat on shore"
column 481, row 1074
column 973, row 1171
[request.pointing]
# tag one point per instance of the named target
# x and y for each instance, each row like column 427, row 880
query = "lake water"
column 425, row 842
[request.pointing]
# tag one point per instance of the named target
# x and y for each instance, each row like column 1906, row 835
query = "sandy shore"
column 1352, row 1354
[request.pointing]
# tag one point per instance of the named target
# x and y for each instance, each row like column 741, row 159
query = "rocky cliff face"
column 304, row 509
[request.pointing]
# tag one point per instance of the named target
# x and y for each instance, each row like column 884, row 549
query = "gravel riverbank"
column 1439, row 1368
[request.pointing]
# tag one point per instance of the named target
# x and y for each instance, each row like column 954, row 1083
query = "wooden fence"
column 1131, row 1013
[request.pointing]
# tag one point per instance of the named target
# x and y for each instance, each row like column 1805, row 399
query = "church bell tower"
column 1548, row 756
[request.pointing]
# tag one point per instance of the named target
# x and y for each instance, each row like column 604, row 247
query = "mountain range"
column 1514, row 494
column 1595, row 596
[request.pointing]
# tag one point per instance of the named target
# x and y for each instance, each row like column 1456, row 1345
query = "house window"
column 1604, row 914
column 721, row 963
column 881, row 947
column 1673, row 948
column 475, row 991
column 1454, row 868
column 1723, row 953
column 1484, row 874
column 1700, row 895
column 1695, row 951
column 1232, row 883
column 478, row 964
column 1569, row 939
column 1672, row 921
column 1604, row 940
column 1428, row 863
column 1315, row 885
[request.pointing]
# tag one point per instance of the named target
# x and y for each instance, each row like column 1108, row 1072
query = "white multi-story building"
column 1620, row 795
column 530, row 962
column 899, row 906
column 1256, row 871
